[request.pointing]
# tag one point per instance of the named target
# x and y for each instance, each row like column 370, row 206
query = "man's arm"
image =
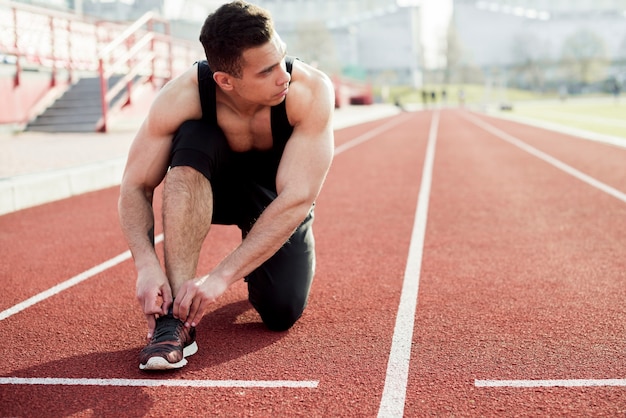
column 301, row 173
column 146, row 167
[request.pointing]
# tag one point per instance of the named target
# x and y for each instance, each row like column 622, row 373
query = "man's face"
column 264, row 78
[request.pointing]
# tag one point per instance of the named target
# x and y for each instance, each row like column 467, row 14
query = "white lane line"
column 592, row 182
column 369, row 135
column 312, row 384
column 549, row 383
column 547, row 158
column 394, row 392
column 69, row 283
column 127, row 255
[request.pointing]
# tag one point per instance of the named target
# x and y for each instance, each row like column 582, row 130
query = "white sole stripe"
column 311, row 384
column 549, row 383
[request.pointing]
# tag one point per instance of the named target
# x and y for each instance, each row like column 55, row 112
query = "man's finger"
column 176, row 309
column 151, row 325
column 167, row 299
column 193, row 313
column 195, row 318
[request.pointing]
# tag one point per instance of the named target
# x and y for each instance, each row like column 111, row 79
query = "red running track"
column 513, row 237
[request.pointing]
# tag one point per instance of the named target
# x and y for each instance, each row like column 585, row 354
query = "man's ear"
column 223, row 80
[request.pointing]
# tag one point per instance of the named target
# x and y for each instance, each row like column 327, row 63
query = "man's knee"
column 279, row 316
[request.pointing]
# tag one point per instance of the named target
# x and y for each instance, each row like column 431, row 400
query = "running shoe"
column 169, row 345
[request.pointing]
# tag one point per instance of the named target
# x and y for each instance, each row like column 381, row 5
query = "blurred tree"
column 531, row 56
column 453, row 54
column 584, row 57
column 621, row 53
column 314, row 44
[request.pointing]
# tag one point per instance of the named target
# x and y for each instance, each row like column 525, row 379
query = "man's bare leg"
column 187, row 213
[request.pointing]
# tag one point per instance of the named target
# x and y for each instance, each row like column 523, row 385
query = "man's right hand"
column 154, row 295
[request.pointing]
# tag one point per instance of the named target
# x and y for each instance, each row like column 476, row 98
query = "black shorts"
column 243, row 185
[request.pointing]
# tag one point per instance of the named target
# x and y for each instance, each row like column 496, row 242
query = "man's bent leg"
column 199, row 153
column 187, row 212
column 279, row 289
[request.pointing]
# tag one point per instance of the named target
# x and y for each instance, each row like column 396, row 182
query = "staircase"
column 78, row 110
column 141, row 52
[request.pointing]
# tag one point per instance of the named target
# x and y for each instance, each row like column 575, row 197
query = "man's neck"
column 244, row 108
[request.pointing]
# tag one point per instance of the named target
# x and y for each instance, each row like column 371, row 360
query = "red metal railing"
column 140, row 54
column 38, row 37
column 44, row 38
column 133, row 54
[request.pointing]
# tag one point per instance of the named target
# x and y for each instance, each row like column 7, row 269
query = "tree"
column 314, row 43
column 453, row 54
column 585, row 57
column 531, row 55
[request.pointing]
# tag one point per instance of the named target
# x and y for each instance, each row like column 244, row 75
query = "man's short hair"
column 230, row 30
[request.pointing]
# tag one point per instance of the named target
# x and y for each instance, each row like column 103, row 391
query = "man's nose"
column 284, row 78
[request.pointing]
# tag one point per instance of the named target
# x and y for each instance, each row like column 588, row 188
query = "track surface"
column 520, row 312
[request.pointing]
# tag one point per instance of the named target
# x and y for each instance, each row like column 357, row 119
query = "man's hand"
column 195, row 296
column 154, row 295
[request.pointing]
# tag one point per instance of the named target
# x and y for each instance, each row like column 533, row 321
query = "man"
column 244, row 138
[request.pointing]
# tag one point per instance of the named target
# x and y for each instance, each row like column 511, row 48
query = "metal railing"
column 134, row 55
column 33, row 36
column 142, row 51
column 140, row 54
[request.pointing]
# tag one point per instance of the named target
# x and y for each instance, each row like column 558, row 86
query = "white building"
column 377, row 40
column 495, row 33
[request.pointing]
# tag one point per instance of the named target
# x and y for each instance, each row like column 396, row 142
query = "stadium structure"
column 539, row 43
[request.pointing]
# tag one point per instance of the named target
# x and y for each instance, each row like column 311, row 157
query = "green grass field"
column 601, row 114
column 607, row 116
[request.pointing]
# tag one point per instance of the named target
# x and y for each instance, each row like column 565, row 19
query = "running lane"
column 521, row 303
column 74, row 352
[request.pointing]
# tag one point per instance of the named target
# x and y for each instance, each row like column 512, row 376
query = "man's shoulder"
column 310, row 83
column 311, row 95
column 177, row 101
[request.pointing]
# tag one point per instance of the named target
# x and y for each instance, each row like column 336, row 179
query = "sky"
column 435, row 18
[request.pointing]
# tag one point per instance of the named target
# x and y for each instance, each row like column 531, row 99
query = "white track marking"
column 547, row 158
column 69, row 283
column 394, row 392
column 312, row 384
column 127, row 255
column 549, row 383
column 154, row 382
column 369, row 135
column 592, row 182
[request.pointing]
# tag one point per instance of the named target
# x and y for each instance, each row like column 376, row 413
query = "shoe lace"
column 167, row 328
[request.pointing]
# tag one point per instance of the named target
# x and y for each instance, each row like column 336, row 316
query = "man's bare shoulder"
column 176, row 102
column 311, row 94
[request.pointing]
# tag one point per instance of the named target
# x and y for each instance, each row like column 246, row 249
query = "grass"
column 473, row 94
column 606, row 116
column 601, row 114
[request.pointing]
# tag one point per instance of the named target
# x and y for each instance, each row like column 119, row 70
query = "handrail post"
column 70, row 55
column 18, row 55
column 103, row 94
column 53, row 75
column 170, row 57
column 152, row 77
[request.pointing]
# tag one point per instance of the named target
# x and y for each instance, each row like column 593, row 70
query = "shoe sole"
column 159, row 363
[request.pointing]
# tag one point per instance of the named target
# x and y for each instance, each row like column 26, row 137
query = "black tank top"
column 281, row 129
column 259, row 165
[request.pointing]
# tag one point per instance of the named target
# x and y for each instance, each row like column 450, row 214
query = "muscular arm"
column 145, row 169
column 301, row 173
